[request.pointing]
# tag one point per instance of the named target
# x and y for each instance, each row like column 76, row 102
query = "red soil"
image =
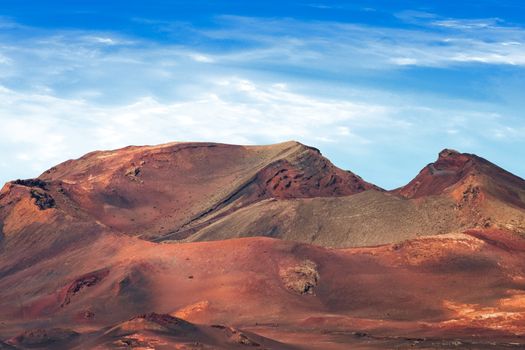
column 75, row 274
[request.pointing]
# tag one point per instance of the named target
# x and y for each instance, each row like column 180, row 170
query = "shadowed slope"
column 457, row 192
column 368, row 218
column 38, row 222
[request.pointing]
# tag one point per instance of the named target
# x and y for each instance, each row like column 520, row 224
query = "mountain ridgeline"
column 206, row 191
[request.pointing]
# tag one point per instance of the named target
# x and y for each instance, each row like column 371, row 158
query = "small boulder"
column 301, row 278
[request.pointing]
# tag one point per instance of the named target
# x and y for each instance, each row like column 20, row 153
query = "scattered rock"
column 361, row 335
column 447, row 152
column 157, row 322
column 133, row 173
column 31, row 183
column 241, row 338
column 469, row 196
column 85, row 281
column 236, row 336
column 127, row 343
column 301, row 278
column 42, row 199
column 87, row 315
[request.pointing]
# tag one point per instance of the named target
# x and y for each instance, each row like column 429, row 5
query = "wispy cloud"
column 442, row 42
column 80, row 60
column 323, row 6
column 41, row 129
column 8, row 23
column 489, row 23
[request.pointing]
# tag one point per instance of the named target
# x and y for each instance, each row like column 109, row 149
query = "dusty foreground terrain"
column 452, row 291
column 205, row 246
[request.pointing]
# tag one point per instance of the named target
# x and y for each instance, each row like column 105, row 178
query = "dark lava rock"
column 31, row 183
column 42, row 199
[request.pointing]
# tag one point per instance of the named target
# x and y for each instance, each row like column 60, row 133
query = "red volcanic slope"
column 147, row 331
column 74, row 272
column 484, row 194
column 450, row 168
column 454, row 169
column 170, row 190
column 167, row 192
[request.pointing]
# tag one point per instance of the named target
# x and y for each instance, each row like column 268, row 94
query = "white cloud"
column 434, row 43
column 201, row 58
column 468, row 23
column 8, row 23
column 404, row 61
column 66, row 93
column 4, row 59
column 42, row 130
column 325, row 6
column 45, row 129
column 111, row 67
column 102, row 40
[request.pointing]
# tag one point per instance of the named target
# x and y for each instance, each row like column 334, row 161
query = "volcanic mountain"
column 457, row 192
column 172, row 190
column 107, row 252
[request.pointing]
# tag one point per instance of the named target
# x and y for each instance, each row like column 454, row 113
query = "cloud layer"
column 253, row 80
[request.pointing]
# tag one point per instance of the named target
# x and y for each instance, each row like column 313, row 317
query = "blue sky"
column 379, row 86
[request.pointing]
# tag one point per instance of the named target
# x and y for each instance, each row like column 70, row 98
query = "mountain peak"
column 450, row 167
column 132, row 189
column 449, row 153
column 453, row 169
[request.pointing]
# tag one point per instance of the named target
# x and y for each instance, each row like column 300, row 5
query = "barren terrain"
column 210, row 246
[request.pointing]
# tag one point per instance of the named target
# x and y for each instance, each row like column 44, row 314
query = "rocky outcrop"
column 85, row 281
column 43, row 200
column 450, row 167
column 301, row 278
column 167, row 322
column 31, row 183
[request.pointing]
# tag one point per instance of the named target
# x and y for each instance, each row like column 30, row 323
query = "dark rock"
column 85, row 281
column 42, row 199
column 133, row 172
column 31, row 183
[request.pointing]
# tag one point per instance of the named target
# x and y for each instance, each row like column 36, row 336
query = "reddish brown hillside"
column 416, row 294
column 454, row 169
column 484, row 194
column 286, row 191
column 75, row 273
column 457, row 192
column 169, row 190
